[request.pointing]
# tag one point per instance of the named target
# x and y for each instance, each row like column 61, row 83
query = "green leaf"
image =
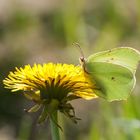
column 113, row 72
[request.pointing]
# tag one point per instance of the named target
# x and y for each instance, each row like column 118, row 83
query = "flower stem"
column 54, row 127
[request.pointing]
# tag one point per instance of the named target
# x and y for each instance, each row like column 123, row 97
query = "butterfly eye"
column 82, row 59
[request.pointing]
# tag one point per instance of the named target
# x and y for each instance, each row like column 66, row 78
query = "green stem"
column 54, row 127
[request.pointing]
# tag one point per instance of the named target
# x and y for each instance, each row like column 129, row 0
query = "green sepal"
column 48, row 109
column 35, row 108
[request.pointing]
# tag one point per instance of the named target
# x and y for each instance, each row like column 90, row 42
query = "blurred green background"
column 44, row 31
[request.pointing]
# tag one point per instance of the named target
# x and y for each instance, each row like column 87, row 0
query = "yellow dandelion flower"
column 51, row 86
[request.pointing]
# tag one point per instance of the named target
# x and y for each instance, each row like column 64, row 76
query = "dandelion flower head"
column 51, row 83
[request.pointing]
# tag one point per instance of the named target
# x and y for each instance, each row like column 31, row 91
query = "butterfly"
column 113, row 72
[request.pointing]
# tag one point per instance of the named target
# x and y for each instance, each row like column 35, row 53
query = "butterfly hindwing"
column 114, row 82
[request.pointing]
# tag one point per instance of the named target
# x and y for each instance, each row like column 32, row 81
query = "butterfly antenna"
column 82, row 58
column 78, row 46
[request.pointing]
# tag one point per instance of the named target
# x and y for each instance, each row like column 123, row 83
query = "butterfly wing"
column 123, row 56
column 113, row 72
column 114, row 82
